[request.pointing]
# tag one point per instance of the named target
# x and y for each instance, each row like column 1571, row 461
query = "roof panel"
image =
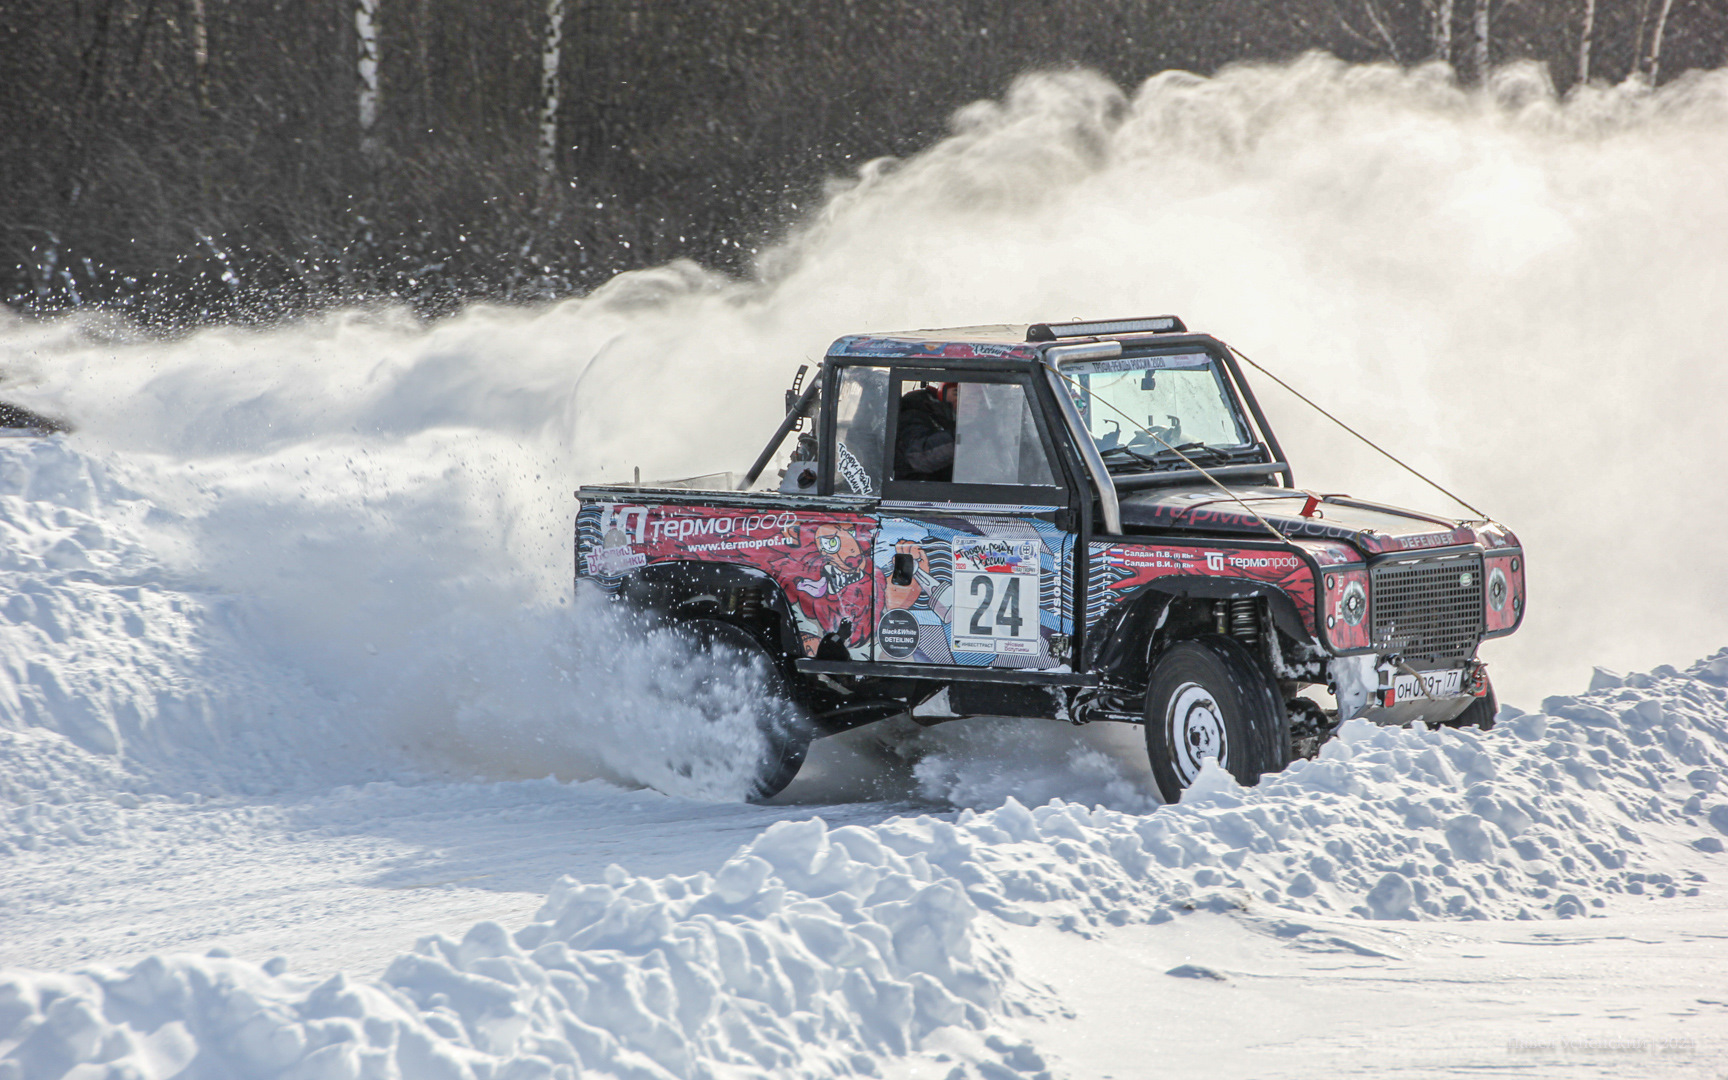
column 959, row 343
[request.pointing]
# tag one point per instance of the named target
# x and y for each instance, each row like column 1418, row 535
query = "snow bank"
column 837, row 951
column 112, row 670
column 875, row 956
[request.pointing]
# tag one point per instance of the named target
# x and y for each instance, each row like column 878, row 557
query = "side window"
column 970, row 433
column 995, row 438
column 860, row 415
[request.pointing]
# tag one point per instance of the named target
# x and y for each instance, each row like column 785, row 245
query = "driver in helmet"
column 924, row 441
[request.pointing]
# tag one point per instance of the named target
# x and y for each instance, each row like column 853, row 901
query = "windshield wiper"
column 1195, row 449
column 1135, row 454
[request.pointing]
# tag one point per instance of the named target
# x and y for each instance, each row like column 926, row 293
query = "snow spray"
column 1514, row 291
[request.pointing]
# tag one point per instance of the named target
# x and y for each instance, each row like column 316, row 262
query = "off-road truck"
column 1119, row 538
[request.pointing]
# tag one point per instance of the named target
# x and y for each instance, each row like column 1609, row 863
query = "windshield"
column 1145, row 407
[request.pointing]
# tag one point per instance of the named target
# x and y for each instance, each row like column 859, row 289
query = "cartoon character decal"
column 831, row 582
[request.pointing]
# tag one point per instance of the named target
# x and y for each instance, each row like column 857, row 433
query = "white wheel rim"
column 1194, row 730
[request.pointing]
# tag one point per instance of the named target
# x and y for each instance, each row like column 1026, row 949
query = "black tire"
column 1210, row 697
column 784, row 723
column 1479, row 713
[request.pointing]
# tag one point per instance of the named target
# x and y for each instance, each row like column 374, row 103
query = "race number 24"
column 996, row 596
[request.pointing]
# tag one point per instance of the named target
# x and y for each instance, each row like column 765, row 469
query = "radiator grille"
column 1429, row 611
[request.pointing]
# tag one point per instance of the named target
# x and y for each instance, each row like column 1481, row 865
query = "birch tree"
column 1442, row 30
column 549, row 57
column 1653, row 66
column 1481, row 42
column 366, row 38
column 1586, row 34
column 200, row 54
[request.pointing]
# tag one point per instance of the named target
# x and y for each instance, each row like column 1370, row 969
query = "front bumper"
column 1392, row 694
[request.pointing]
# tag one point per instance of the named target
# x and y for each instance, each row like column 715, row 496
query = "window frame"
column 904, row 377
column 833, row 370
column 1222, row 373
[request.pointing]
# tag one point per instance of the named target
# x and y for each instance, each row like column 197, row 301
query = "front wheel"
column 725, row 654
column 1210, row 698
column 1479, row 713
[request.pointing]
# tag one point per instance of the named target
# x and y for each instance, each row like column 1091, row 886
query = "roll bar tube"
column 1108, row 504
column 793, row 415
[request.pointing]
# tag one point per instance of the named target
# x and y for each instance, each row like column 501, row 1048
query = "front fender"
column 1121, row 645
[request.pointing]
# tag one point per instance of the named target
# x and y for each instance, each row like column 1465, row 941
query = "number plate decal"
column 996, row 583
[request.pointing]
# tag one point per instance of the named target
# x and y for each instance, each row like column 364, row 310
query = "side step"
column 945, row 673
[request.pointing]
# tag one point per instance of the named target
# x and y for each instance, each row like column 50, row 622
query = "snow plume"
column 839, row 951
column 1477, row 278
column 369, row 522
column 1516, row 292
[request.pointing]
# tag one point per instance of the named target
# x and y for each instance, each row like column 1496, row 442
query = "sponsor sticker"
column 897, row 633
column 621, row 528
column 995, row 607
column 852, row 470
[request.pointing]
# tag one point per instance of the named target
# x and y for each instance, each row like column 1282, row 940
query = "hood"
column 1370, row 527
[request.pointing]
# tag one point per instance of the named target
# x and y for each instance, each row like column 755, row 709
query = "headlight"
column 1497, row 589
column 1354, row 604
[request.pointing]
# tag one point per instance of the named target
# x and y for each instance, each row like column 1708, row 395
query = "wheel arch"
column 728, row 590
column 1124, row 645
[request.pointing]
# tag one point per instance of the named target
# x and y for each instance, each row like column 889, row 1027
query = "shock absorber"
column 1245, row 620
column 750, row 604
column 745, row 603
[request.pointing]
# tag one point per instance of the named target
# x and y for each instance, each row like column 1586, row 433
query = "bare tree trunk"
column 366, row 35
column 1654, row 65
column 1586, row 33
column 1443, row 30
column 200, row 54
column 549, row 57
column 1481, row 43
column 1383, row 27
column 422, row 53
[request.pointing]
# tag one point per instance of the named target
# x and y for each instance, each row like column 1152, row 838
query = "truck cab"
column 1113, row 534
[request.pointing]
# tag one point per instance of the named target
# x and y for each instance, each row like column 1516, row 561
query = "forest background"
column 188, row 160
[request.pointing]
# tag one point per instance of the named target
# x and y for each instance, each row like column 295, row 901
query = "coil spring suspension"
column 1245, row 620
column 744, row 604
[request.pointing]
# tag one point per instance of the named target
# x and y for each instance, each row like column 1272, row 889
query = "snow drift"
column 823, row 951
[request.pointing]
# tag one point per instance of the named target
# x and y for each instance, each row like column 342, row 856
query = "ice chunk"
column 1391, row 897
column 1214, row 786
column 1603, row 679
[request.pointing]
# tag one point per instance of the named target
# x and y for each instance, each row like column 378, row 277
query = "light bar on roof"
column 1160, row 324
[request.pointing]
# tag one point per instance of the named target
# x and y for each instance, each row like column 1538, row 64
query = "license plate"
column 1438, row 684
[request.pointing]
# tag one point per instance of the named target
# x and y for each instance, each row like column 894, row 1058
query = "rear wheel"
column 724, row 650
column 1210, row 698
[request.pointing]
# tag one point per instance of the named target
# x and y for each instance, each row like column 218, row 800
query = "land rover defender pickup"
column 1117, row 537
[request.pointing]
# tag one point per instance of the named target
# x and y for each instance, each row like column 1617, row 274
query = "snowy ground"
column 212, row 870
